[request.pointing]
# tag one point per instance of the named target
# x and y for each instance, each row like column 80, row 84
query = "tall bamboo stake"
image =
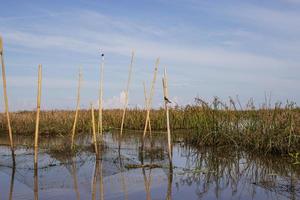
column 126, row 92
column 6, row 102
column 77, row 108
column 100, row 103
column 149, row 104
column 166, row 101
column 146, row 105
column 36, row 139
column 94, row 130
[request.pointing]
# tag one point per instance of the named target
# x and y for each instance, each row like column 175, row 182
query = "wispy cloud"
column 232, row 47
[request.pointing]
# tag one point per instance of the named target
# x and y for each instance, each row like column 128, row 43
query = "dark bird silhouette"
column 167, row 100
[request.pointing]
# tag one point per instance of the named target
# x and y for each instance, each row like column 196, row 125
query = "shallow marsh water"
column 210, row 173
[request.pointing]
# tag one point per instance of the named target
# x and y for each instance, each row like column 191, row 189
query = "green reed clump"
column 271, row 130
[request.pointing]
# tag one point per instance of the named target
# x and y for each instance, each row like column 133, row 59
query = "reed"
column 100, row 103
column 126, row 93
column 149, row 103
column 6, row 101
column 36, row 136
column 77, row 109
column 166, row 102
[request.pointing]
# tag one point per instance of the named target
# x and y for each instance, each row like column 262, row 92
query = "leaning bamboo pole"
column 166, row 101
column 146, row 105
column 151, row 96
column 94, row 129
column 100, row 103
column 10, row 134
column 36, row 138
column 77, row 108
column 126, row 93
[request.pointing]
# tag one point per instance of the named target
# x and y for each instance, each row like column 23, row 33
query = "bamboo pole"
column 10, row 134
column 149, row 104
column 36, row 139
column 100, row 103
column 94, row 130
column 126, row 92
column 36, row 184
column 166, row 101
column 77, row 108
column 146, row 105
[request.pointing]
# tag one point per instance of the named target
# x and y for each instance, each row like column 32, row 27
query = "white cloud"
column 115, row 101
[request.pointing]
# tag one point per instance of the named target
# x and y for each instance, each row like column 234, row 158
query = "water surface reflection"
column 137, row 168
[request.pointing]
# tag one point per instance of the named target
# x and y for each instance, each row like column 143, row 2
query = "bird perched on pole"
column 167, row 100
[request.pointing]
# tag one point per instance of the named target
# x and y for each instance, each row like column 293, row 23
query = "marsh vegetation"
column 266, row 129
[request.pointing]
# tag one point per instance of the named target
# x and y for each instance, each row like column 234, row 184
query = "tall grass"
column 272, row 130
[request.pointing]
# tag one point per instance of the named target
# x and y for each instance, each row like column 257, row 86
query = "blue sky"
column 210, row 48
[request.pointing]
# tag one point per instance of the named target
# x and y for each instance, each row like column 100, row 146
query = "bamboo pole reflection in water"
column 94, row 181
column 170, row 181
column 36, row 182
column 101, row 186
column 12, row 180
column 147, row 180
column 123, row 182
column 98, row 175
column 75, row 180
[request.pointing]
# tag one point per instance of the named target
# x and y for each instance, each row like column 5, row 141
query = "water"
column 117, row 173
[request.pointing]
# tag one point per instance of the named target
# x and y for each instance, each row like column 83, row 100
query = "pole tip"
column 1, row 45
column 102, row 53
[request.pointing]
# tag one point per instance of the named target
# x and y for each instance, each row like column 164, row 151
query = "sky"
column 249, row 49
